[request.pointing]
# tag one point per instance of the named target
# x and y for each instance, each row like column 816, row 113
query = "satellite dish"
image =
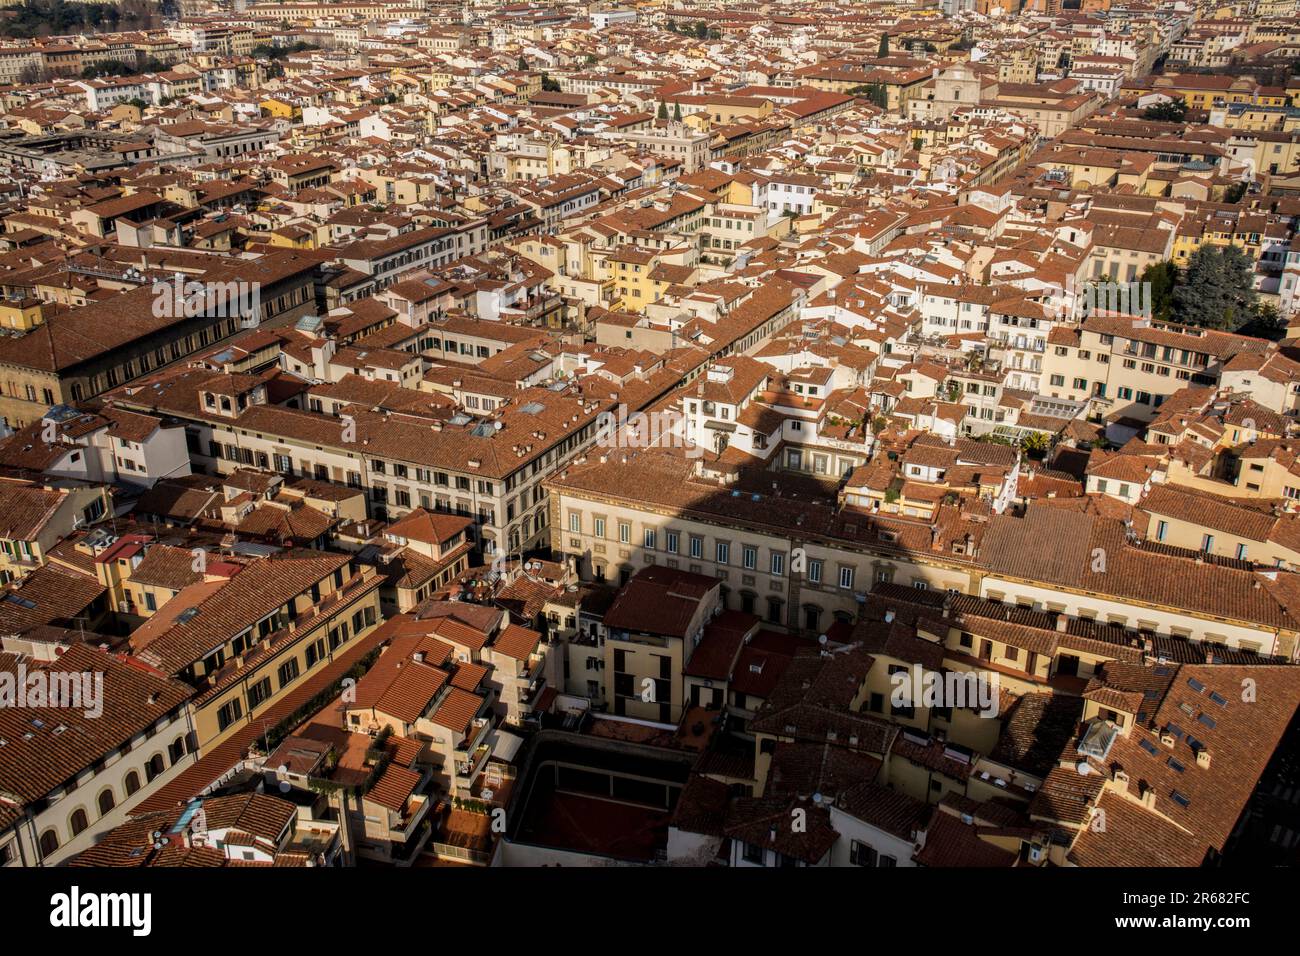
column 822, row 639
column 817, row 799
column 1084, row 768
column 485, row 793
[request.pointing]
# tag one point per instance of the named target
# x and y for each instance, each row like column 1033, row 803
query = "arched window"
column 176, row 750
column 78, row 821
column 49, row 843
column 154, row 767
column 132, row 783
column 774, row 608
column 106, row 802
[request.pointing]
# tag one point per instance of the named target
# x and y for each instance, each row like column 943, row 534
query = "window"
column 575, row 522
column 624, row 533
column 132, row 783
column 750, row 558
column 106, row 802
column 846, row 577
column 600, row 527
column 78, row 822
column 154, row 767
column 774, row 608
column 288, row 672
column 673, row 542
column 227, row 715
column 650, row 538
column 778, row 563
column 815, row 571
column 723, row 552
column 860, row 854
column 259, row 693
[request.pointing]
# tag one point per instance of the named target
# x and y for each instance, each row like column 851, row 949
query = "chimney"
column 1062, row 622
column 1120, row 779
column 1203, row 758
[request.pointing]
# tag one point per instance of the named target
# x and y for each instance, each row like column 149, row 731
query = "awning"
column 504, row 744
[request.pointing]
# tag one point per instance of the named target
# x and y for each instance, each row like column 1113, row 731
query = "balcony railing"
column 531, row 692
column 478, row 727
column 466, row 769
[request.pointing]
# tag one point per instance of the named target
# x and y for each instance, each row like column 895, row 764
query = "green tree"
column 550, row 85
column 677, row 112
column 1265, row 323
column 1162, row 276
column 1234, row 192
column 1175, row 112
column 106, row 68
column 663, row 111
column 1218, row 289
column 523, row 62
column 884, row 46
column 1036, row 445
column 875, row 93
column 701, row 30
